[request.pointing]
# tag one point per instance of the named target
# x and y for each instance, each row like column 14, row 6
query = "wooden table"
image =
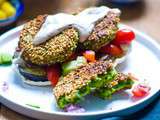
column 143, row 16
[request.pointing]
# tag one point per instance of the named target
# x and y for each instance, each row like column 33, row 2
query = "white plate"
column 143, row 61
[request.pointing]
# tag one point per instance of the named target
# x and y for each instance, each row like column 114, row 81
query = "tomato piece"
column 144, row 89
column 73, row 56
column 112, row 50
column 53, row 74
column 124, row 36
column 137, row 93
column 90, row 55
column 140, row 90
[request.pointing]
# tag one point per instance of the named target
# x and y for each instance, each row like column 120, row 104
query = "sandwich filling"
column 82, row 81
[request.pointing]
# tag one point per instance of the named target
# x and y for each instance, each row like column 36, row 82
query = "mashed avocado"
column 107, row 92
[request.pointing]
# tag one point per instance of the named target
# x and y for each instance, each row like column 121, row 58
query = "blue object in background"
column 10, row 22
column 124, row 1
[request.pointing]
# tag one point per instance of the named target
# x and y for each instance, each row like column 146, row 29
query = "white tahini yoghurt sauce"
column 84, row 22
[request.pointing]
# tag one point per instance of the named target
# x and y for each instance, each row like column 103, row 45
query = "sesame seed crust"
column 56, row 50
column 80, row 77
column 119, row 78
column 103, row 32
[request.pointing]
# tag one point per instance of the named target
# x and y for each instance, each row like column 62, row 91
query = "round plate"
column 39, row 102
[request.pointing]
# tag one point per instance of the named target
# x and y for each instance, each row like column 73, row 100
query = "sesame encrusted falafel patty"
column 56, row 49
column 103, row 32
column 82, row 81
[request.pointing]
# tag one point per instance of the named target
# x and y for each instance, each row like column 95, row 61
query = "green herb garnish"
column 5, row 58
column 35, row 106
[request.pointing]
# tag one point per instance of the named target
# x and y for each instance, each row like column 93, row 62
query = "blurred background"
column 140, row 14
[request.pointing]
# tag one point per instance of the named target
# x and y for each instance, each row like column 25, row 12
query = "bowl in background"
column 8, row 23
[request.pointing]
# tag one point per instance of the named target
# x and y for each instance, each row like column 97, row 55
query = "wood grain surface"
column 143, row 16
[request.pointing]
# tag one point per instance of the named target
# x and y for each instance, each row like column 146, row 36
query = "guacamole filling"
column 94, row 84
column 108, row 90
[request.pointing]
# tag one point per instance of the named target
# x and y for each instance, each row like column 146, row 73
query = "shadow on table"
column 151, row 112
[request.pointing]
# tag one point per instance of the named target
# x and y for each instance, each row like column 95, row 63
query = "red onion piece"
column 74, row 109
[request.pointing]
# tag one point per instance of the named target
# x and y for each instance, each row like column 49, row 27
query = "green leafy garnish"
column 5, row 58
column 35, row 106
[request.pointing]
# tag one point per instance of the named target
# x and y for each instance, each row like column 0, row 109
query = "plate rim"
column 103, row 112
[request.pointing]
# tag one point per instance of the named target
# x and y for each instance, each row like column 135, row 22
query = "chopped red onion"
column 18, row 49
column 74, row 109
column 5, row 86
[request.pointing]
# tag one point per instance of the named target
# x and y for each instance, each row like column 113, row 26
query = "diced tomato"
column 144, row 89
column 73, row 56
column 90, row 55
column 137, row 93
column 140, row 90
column 124, row 36
column 53, row 73
column 112, row 50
